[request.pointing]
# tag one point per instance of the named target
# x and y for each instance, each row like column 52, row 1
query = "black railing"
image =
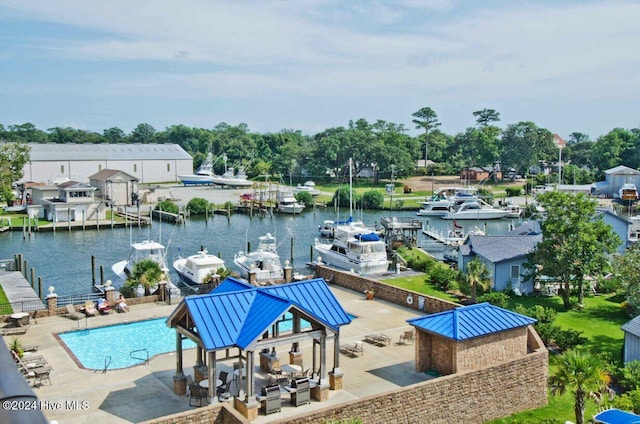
column 23, row 306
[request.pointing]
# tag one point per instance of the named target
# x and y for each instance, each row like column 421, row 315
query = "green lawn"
column 599, row 321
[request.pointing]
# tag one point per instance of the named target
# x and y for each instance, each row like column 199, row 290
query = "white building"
column 148, row 163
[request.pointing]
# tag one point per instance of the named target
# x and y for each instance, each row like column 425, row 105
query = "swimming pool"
column 90, row 347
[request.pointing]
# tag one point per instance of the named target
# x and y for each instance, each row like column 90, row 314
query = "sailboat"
column 354, row 246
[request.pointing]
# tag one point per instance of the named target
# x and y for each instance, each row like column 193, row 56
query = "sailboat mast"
column 350, row 190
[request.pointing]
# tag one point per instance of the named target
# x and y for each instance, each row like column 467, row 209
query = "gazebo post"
column 248, row 405
column 212, row 376
column 179, row 380
column 321, row 391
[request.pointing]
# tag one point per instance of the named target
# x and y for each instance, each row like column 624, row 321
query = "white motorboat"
column 287, row 203
column 264, row 262
column 513, row 211
column 437, row 206
column 204, row 174
column 198, row 268
column 475, row 210
column 232, row 179
column 309, row 187
column 146, row 249
column 354, row 247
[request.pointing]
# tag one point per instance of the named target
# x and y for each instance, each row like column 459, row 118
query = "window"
column 135, row 167
column 99, row 168
column 62, row 169
column 168, row 167
column 515, row 272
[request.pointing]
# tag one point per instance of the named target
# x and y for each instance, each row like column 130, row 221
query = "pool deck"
column 145, row 392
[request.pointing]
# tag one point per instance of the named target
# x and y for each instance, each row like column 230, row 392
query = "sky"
column 308, row 65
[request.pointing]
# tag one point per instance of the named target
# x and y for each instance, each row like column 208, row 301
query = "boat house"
column 615, row 178
column 115, row 187
column 631, row 348
column 149, row 163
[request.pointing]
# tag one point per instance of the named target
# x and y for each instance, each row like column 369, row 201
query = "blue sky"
column 310, row 65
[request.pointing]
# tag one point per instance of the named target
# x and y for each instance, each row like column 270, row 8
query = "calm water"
column 63, row 259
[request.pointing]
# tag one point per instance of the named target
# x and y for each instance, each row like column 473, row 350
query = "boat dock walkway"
column 19, row 292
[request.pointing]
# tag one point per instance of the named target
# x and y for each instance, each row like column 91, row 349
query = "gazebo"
column 237, row 320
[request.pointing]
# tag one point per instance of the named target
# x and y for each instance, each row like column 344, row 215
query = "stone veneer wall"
column 472, row 397
column 216, row 414
column 383, row 291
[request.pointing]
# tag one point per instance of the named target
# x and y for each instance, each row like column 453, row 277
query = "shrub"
column 498, row 299
column 630, row 379
column 629, row 401
column 304, row 197
column 568, row 339
column 513, row 191
column 341, row 197
column 442, row 276
column 168, row 206
column 198, row 206
column 539, row 312
column 546, row 331
column 373, row 199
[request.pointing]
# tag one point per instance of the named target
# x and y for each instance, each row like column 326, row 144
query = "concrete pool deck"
column 145, row 392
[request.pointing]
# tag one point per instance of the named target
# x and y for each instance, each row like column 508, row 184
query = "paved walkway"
column 145, row 392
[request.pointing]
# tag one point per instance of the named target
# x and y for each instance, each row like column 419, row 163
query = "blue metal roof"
column 616, row 416
column 237, row 314
column 467, row 322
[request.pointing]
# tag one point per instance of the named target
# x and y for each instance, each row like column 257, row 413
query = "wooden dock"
column 20, row 294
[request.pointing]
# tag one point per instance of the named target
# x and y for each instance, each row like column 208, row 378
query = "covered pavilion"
column 241, row 317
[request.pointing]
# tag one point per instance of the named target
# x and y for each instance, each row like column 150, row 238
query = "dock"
column 19, row 292
column 400, row 231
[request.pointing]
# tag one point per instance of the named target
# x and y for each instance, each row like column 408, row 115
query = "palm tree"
column 584, row 375
column 477, row 276
column 146, row 273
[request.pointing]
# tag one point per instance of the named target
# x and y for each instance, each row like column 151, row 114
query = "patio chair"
column 276, row 376
column 73, row 314
column 190, row 382
column 406, row 337
column 224, row 387
column 197, row 392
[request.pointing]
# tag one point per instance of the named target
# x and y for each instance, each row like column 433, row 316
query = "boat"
column 354, row 247
column 147, row 249
column 198, row 268
column 437, row 206
column 15, row 208
column 232, row 179
column 264, row 262
column 287, row 203
column 628, row 192
column 513, row 211
column 204, row 174
column 309, row 187
column 475, row 209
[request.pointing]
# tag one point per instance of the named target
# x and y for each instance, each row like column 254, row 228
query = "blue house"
column 620, row 226
column 504, row 256
column 615, row 178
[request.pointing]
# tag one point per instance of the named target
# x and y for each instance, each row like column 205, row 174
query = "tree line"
column 384, row 147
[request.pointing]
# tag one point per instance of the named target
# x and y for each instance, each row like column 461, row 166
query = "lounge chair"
column 379, row 339
column 406, row 337
column 10, row 330
column 89, row 309
column 73, row 314
column 352, row 349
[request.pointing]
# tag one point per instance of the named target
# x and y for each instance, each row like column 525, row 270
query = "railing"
column 7, row 265
column 23, row 306
column 78, row 299
column 144, row 360
column 107, row 362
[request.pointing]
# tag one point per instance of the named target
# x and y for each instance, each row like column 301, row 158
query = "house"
column 504, row 256
column 479, row 174
column 69, row 201
column 471, row 337
column 115, row 186
column 619, row 225
column 615, row 178
column 631, row 350
column 149, row 163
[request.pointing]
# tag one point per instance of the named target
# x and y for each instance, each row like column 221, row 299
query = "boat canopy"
column 367, row 237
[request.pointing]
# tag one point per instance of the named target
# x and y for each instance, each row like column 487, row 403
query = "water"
column 91, row 347
column 63, row 258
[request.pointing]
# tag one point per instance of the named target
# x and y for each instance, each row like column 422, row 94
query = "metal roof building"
column 240, row 316
column 632, row 340
column 469, row 338
column 51, row 162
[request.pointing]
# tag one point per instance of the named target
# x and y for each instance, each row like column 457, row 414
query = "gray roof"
column 43, row 152
column 501, row 248
column 109, row 174
column 622, row 170
column 633, row 326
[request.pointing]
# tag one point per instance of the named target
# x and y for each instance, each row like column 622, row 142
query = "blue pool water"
column 90, row 347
